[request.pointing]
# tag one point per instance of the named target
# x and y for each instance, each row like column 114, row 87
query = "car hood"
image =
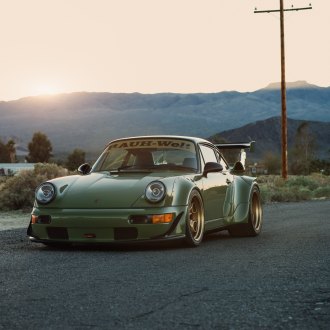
column 101, row 190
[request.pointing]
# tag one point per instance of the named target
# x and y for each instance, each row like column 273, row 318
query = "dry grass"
column 295, row 188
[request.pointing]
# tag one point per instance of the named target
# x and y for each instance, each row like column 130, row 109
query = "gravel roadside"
column 14, row 219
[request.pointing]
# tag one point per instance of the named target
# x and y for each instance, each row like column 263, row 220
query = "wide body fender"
column 237, row 203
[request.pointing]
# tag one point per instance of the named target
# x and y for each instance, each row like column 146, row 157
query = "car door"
column 215, row 186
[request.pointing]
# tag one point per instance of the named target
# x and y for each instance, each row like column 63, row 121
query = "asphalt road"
column 279, row 280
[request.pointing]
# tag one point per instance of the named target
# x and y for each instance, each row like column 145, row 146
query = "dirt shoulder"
column 14, row 219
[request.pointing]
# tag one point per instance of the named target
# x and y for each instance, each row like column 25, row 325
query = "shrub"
column 303, row 194
column 282, row 196
column 295, row 188
column 302, row 181
column 51, row 171
column 322, row 192
column 17, row 192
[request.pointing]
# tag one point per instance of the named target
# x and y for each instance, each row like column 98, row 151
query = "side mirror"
column 212, row 167
column 84, row 169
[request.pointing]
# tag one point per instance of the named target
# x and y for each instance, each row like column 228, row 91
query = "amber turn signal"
column 162, row 218
column 34, row 219
column 41, row 219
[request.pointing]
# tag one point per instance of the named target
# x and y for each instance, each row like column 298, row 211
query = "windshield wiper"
column 174, row 167
column 125, row 167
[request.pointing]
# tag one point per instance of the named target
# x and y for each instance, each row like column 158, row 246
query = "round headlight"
column 45, row 193
column 155, row 191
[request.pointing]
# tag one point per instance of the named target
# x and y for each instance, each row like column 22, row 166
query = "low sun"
column 46, row 90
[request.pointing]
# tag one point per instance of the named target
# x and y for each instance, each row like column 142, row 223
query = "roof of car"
column 177, row 137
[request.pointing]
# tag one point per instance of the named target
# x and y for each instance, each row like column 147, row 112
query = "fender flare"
column 242, row 198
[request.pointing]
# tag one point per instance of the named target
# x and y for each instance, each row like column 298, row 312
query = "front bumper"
column 104, row 226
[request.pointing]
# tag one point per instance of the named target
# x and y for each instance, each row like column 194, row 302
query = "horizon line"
column 270, row 86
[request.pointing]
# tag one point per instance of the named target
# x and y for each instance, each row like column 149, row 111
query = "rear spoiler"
column 238, row 145
column 240, row 164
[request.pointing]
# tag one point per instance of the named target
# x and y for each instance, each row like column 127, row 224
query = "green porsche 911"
column 149, row 188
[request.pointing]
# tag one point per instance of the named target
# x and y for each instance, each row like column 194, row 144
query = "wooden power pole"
column 283, row 84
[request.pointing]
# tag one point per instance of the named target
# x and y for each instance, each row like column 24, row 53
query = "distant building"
column 257, row 169
column 14, row 168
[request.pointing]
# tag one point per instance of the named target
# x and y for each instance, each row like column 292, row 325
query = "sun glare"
column 46, row 90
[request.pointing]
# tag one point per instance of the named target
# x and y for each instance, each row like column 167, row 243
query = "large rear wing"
column 238, row 145
column 240, row 164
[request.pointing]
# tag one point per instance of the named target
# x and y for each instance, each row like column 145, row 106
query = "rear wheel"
column 253, row 227
column 194, row 220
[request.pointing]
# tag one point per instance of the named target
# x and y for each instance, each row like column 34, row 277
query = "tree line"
column 302, row 155
column 40, row 151
column 302, row 160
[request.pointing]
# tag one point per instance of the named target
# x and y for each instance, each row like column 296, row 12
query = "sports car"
column 150, row 188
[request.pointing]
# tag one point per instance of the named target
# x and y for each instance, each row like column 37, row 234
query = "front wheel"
column 194, row 220
column 253, row 227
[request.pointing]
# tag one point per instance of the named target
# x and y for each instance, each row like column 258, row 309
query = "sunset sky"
column 151, row 46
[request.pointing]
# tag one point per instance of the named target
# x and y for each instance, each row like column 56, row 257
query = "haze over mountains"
column 89, row 120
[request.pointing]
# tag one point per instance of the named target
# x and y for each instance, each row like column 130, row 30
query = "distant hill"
column 90, row 120
column 292, row 85
column 267, row 134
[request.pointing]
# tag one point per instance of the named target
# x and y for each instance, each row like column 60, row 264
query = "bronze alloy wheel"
column 195, row 220
column 256, row 212
column 254, row 223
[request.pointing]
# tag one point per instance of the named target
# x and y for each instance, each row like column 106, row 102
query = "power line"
column 256, row 11
column 284, row 149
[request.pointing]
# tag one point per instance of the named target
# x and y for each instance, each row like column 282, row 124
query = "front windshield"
column 150, row 154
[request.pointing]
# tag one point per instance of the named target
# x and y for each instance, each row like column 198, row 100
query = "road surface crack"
column 173, row 301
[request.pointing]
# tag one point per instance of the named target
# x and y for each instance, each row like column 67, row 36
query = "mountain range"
column 267, row 134
column 89, row 120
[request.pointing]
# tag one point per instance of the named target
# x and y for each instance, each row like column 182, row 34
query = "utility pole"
column 283, row 83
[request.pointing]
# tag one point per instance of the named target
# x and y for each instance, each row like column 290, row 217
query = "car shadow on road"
column 134, row 246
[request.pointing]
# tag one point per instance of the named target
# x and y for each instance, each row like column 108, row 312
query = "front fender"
column 182, row 189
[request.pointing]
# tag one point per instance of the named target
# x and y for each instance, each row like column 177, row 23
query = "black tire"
column 194, row 220
column 253, row 227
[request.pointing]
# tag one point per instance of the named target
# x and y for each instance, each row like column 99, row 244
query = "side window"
column 208, row 154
